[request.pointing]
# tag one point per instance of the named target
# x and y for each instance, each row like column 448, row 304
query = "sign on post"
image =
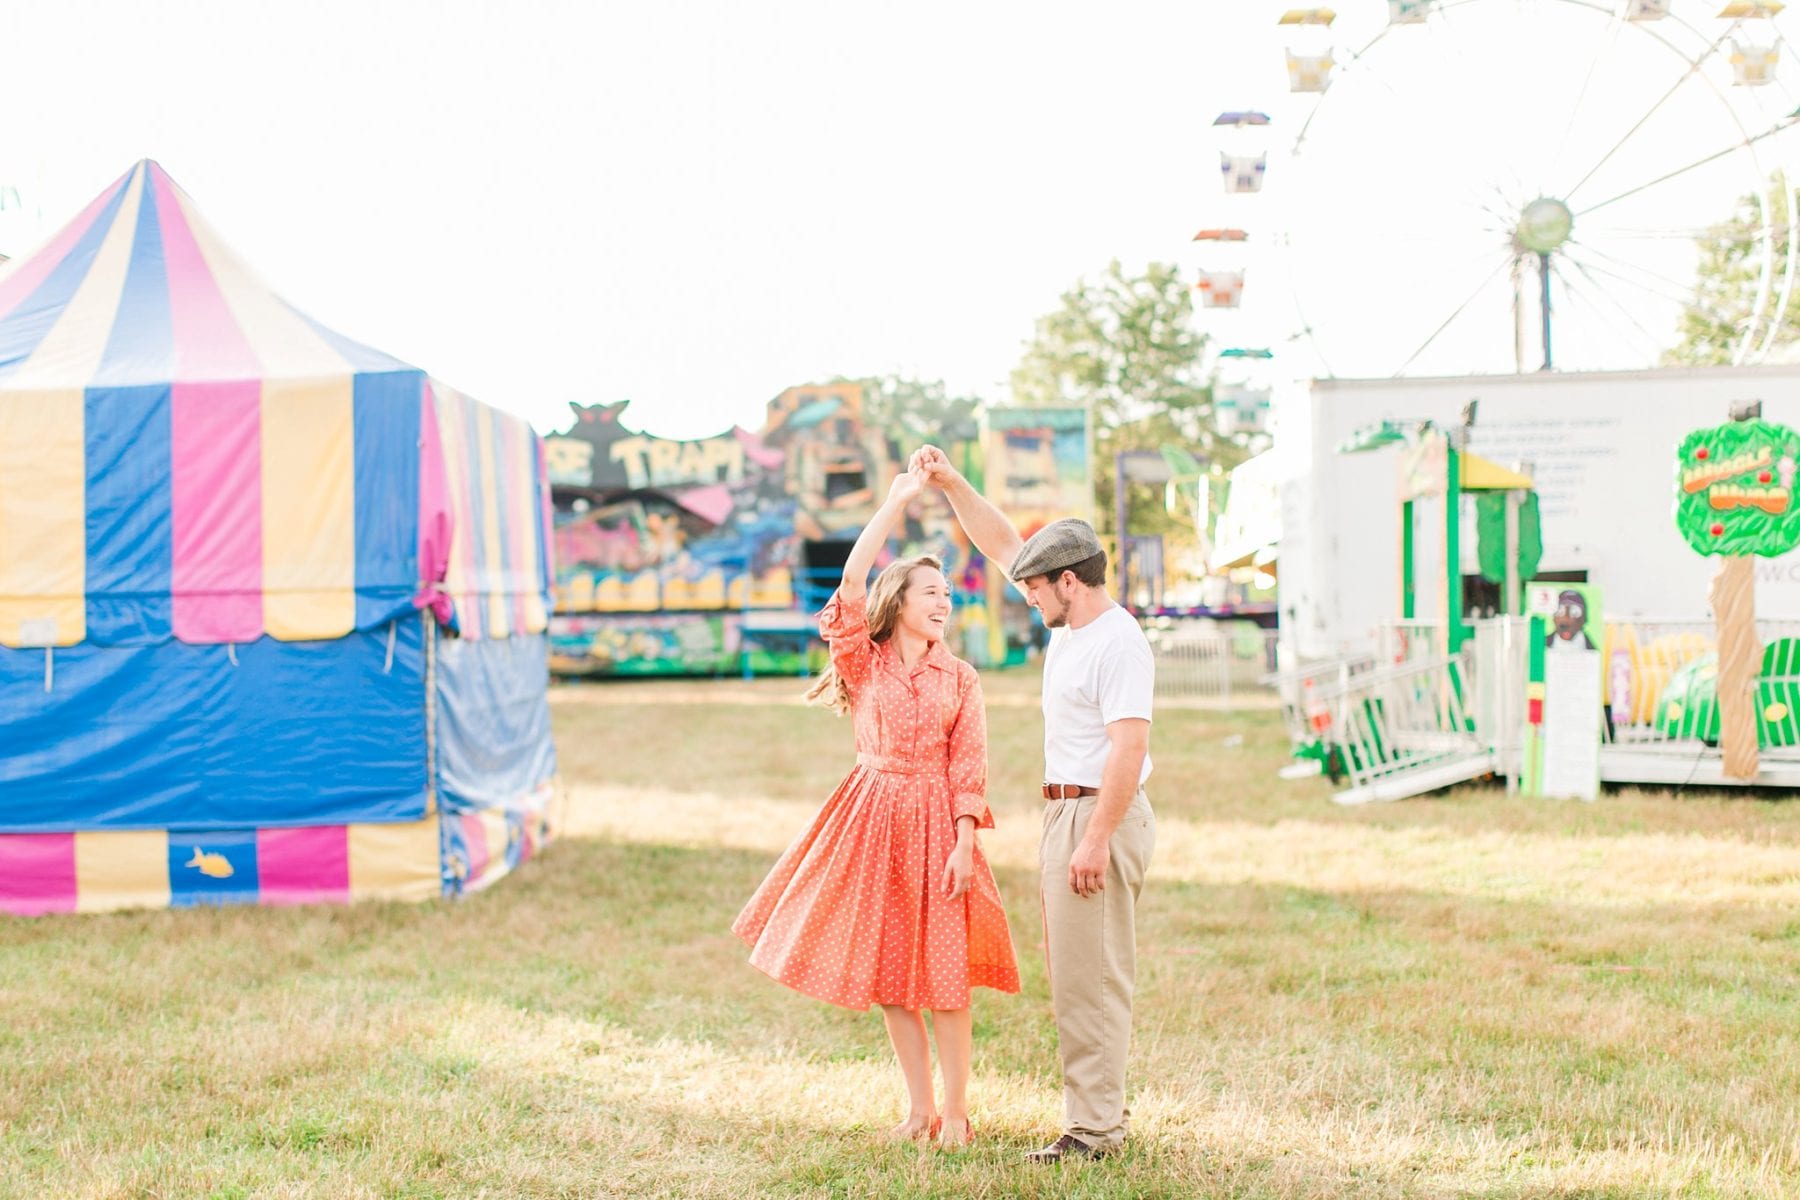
column 1734, row 498
column 1563, row 694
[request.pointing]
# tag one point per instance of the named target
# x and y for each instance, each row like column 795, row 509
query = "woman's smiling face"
column 925, row 606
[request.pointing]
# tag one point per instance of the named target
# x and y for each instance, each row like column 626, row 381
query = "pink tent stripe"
column 215, row 448
column 436, row 526
column 216, row 511
column 461, row 564
column 209, row 344
column 469, row 538
column 25, row 279
column 519, row 538
column 307, row 865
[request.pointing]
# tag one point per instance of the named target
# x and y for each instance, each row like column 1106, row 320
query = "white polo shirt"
column 1093, row 676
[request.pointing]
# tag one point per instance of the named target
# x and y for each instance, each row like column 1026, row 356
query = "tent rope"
column 387, row 668
column 49, row 666
column 231, row 652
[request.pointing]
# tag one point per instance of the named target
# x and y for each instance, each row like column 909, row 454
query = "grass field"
column 1467, row 995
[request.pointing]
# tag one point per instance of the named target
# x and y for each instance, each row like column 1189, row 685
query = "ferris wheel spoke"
column 1411, row 113
column 1682, row 292
column 1451, row 319
column 1607, row 44
column 1778, row 127
column 1591, row 269
column 1654, row 344
column 1620, row 233
column 1694, row 67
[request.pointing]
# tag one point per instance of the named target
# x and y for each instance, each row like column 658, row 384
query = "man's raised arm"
column 986, row 525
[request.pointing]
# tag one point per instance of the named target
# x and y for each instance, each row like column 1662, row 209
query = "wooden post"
column 1733, row 597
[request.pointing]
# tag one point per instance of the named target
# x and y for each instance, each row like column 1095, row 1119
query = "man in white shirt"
column 1098, row 828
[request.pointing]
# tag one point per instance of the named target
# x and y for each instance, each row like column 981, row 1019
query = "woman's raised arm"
column 907, row 485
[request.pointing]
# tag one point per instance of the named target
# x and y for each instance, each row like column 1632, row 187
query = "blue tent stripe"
column 130, row 538
column 359, row 356
column 142, row 343
column 546, row 580
column 385, row 410
column 180, row 737
column 31, row 322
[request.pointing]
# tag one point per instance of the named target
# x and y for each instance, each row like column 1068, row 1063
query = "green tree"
column 1126, row 347
column 1726, row 281
column 911, row 410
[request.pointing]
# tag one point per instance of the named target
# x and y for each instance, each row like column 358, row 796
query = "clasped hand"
column 933, row 465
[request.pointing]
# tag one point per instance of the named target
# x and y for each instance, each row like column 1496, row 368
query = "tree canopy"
column 1127, row 348
column 1726, row 281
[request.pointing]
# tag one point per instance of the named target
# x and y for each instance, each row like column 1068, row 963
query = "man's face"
column 1050, row 597
column 1570, row 616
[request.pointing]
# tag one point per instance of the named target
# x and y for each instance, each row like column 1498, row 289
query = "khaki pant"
column 1091, row 947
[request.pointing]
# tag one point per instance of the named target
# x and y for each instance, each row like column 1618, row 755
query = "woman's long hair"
column 886, row 596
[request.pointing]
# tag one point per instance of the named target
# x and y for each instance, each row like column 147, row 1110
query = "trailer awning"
column 1481, row 475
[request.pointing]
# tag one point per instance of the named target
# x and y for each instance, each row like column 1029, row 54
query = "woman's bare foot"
column 955, row 1133
column 914, row 1128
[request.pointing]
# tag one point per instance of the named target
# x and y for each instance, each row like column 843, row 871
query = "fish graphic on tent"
column 1646, row 10
column 1408, row 12
column 234, row 548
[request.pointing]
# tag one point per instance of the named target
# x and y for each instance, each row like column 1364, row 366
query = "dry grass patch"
column 1468, row 996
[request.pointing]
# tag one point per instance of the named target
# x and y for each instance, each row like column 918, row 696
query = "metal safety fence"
column 1204, row 659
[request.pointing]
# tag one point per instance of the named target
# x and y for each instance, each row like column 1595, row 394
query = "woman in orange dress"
column 886, row 898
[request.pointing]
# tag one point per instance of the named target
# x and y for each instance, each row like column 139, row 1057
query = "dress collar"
column 936, row 656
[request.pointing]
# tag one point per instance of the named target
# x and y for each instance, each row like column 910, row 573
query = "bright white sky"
column 692, row 205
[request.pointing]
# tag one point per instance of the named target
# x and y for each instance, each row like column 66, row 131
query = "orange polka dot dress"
column 854, row 912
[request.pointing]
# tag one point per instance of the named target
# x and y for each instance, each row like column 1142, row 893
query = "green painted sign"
column 1734, row 489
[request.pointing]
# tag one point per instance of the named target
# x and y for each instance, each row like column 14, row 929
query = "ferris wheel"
column 1472, row 186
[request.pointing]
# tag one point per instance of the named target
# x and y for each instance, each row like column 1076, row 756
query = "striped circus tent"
column 272, row 603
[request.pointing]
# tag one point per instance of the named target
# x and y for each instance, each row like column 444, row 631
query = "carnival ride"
column 1478, row 186
column 1469, row 187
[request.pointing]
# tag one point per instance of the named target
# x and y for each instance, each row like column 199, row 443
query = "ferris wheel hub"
column 1545, row 225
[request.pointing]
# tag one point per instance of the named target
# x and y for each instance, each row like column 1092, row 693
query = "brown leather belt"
column 1067, row 791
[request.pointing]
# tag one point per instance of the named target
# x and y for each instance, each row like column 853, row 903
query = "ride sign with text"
column 1735, row 489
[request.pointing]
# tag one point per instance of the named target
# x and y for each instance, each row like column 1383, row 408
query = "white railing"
column 1499, row 658
column 1398, row 730
column 1209, row 660
column 1661, row 685
column 1410, row 640
column 1301, row 690
column 1409, row 717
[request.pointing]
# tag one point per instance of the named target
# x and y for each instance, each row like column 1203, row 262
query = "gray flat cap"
column 1057, row 545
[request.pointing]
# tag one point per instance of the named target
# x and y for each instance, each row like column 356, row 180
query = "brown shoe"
column 1066, row 1146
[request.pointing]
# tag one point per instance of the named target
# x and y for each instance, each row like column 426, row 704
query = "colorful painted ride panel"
column 676, row 557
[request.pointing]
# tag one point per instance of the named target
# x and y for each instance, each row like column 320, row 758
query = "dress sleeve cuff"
column 972, row 804
column 844, row 617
